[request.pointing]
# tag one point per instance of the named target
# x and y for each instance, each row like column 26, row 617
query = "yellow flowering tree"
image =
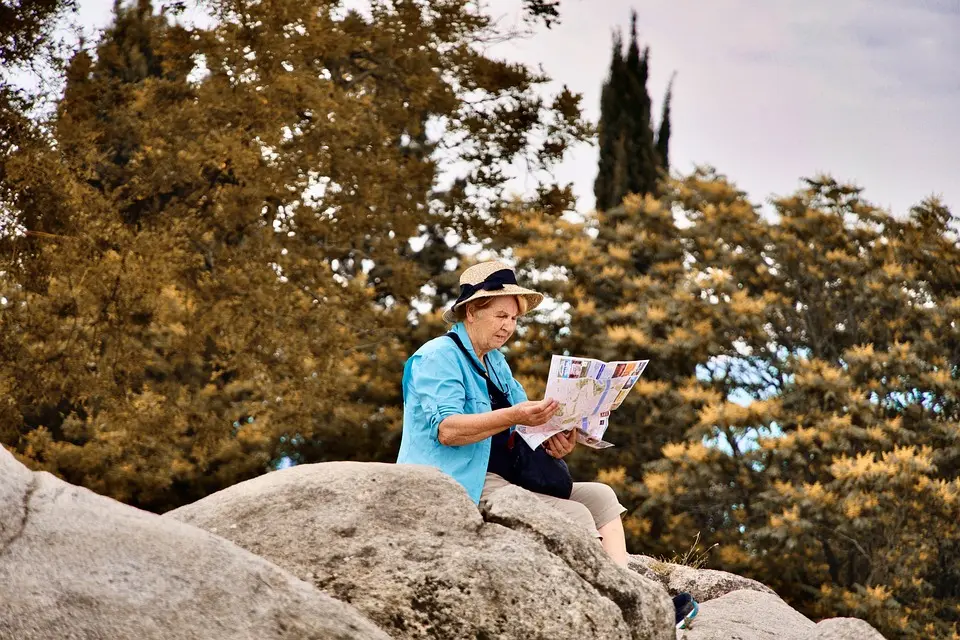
column 636, row 282
column 845, row 495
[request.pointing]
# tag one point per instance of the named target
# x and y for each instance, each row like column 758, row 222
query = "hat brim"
column 533, row 300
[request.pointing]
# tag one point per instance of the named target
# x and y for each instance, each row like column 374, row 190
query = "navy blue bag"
column 512, row 459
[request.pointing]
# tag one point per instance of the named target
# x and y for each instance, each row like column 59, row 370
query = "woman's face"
column 493, row 325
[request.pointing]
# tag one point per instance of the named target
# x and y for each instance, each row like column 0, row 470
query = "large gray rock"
column 748, row 615
column 405, row 545
column 844, row 629
column 702, row 584
column 521, row 511
column 74, row 564
column 707, row 584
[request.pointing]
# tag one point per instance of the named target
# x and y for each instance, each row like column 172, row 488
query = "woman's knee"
column 581, row 514
column 600, row 500
column 608, row 495
column 595, row 493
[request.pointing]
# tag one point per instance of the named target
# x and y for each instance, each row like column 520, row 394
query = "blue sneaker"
column 686, row 609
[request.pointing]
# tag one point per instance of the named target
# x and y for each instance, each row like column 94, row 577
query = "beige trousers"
column 591, row 504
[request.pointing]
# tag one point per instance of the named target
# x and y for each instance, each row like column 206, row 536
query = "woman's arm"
column 458, row 430
column 461, row 429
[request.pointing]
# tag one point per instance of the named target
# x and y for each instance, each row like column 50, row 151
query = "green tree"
column 212, row 268
column 632, row 158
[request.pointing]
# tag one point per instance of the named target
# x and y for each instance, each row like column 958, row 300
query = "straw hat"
column 488, row 279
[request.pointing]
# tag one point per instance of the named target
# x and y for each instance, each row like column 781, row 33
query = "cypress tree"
column 663, row 135
column 641, row 155
column 606, row 185
column 631, row 157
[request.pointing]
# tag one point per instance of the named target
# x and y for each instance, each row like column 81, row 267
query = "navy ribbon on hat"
column 493, row 282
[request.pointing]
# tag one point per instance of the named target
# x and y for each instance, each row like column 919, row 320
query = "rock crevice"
column 21, row 527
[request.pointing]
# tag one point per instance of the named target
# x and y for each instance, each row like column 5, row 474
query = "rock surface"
column 751, row 614
column 747, row 614
column 519, row 510
column 845, row 629
column 406, row 546
column 77, row 565
column 733, row 620
column 703, row 584
column 402, row 543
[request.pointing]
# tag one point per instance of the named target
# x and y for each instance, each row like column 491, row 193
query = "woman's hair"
column 483, row 303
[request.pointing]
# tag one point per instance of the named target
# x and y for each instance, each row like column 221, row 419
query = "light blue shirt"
column 439, row 381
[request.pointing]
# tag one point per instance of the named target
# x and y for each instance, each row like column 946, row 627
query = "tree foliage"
column 210, row 267
column 632, row 158
column 625, row 288
column 831, row 472
column 26, row 40
column 800, row 407
column 26, row 28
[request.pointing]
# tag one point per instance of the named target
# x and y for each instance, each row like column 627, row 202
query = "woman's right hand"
column 535, row 413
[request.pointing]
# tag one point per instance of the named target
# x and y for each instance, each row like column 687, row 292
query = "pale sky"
column 769, row 92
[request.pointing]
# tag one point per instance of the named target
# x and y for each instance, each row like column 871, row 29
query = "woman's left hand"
column 561, row 444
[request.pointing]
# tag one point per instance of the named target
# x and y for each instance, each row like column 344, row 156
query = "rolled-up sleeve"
column 438, row 383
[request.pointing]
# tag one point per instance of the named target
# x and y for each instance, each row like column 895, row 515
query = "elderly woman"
column 458, row 393
column 448, row 417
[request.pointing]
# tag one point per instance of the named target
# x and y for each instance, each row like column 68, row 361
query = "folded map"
column 587, row 390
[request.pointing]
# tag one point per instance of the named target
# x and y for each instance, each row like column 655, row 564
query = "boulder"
column 748, row 615
column 707, row 584
column 521, row 511
column 702, row 584
column 74, row 564
column 402, row 543
column 406, row 546
column 845, row 629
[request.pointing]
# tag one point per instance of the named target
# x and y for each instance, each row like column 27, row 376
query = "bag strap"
column 483, row 374
column 491, row 387
column 453, row 336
